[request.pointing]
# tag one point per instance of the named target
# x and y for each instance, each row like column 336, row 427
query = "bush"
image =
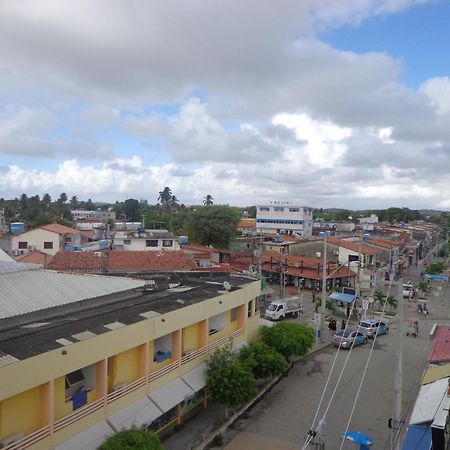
column 228, row 380
column 289, row 339
column 262, row 360
column 132, row 439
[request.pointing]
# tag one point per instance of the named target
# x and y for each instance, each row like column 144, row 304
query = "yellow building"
column 83, row 356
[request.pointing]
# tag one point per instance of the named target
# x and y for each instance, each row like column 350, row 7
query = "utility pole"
column 143, row 221
column 398, row 380
column 324, row 289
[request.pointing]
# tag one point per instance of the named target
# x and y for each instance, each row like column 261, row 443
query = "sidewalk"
column 193, row 432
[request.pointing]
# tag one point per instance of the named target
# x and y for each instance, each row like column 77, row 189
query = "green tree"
column 289, row 339
column 46, row 202
column 74, row 202
column 132, row 439
column 262, row 360
column 228, row 380
column 208, row 200
column 213, row 225
column 380, row 298
column 62, row 198
column 436, row 268
column 392, row 302
column 165, row 197
column 423, row 288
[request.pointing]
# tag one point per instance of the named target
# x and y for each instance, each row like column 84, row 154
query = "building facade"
column 285, row 219
column 134, row 356
column 142, row 240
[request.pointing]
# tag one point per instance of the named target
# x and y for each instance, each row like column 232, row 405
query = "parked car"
column 369, row 327
column 408, row 290
column 345, row 338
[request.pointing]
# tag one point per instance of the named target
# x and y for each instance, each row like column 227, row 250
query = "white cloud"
column 438, row 91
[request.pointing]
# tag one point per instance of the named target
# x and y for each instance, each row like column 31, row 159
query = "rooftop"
column 48, row 329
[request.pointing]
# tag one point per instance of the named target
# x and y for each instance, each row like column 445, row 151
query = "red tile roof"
column 150, row 260
column 440, row 347
column 35, row 258
column 60, row 229
column 199, row 248
column 76, row 262
column 354, row 246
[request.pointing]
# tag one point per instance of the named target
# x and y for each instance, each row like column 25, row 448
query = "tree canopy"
column 132, row 439
column 262, row 360
column 213, row 225
column 289, row 339
column 228, row 380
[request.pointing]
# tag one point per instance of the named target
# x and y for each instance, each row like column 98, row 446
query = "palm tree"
column 380, row 298
column 392, row 302
column 208, row 200
column 165, row 196
column 423, row 288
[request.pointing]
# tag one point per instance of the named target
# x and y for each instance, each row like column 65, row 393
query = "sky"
column 325, row 103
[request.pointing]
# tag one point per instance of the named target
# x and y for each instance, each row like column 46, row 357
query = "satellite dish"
column 227, row 286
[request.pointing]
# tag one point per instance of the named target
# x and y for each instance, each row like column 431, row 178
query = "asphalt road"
column 282, row 419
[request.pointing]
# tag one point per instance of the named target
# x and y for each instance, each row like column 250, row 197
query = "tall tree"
column 46, row 201
column 165, row 197
column 62, row 198
column 208, row 200
column 213, row 225
column 74, row 202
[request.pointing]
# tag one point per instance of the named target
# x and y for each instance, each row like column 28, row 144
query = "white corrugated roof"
column 430, row 403
column 14, row 266
column 33, row 290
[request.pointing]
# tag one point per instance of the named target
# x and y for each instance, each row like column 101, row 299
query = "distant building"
column 368, row 223
column 284, row 219
column 145, row 240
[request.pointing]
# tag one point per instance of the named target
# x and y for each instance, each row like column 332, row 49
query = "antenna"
column 227, row 286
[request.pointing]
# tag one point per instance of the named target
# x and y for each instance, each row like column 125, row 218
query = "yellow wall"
column 127, row 369
column 191, row 337
column 62, row 408
column 21, row 413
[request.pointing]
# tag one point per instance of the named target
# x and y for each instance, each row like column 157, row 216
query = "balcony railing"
column 84, row 411
column 29, row 440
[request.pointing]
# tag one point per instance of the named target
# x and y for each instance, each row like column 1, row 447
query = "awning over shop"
column 169, row 395
column 141, row 412
column 341, row 297
column 417, row 438
column 89, row 439
column 195, row 378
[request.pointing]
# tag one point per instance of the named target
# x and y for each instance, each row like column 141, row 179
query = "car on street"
column 408, row 290
column 369, row 327
column 346, row 338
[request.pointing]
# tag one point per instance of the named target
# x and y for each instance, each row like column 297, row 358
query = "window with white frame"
column 162, row 348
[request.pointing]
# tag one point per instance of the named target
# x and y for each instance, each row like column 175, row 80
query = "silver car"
column 369, row 327
column 345, row 338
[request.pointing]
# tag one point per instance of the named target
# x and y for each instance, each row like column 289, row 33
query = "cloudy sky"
column 319, row 102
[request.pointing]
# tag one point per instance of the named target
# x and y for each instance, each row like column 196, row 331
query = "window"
column 278, row 208
column 127, row 242
column 217, row 323
column 48, row 245
column 264, row 209
column 73, row 378
column 233, row 315
column 294, row 209
column 167, row 243
column 151, row 243
column 23, row 245
column 249, row 309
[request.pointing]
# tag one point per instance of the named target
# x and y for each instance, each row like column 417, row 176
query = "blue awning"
column 340, row 297
column 417, row 438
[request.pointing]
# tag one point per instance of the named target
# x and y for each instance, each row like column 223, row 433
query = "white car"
column 408, row 291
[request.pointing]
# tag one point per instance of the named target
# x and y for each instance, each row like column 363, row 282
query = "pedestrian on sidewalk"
column 314, row 295
column 343, row 324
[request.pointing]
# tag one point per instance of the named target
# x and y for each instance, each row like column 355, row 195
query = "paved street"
column 282, row 419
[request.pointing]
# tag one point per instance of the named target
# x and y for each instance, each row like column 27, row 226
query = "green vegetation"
column 436, row 268
column 213, row 225
column 229, row 381
column 423, row 288
column 132, row 439
column 289, row 339
column 262, row 360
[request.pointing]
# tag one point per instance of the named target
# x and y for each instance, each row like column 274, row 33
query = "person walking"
column 343, row 324
column 314, row 295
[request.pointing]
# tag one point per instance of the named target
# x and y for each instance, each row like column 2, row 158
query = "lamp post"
column 324, row 288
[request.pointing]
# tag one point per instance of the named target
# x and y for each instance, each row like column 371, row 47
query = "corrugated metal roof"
column 13, row 266
column 29, row 291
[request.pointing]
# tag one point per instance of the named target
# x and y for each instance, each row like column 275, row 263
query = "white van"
column 408, row 290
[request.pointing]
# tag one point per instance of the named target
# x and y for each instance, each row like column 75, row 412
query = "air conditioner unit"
column 318, row 255
column 99, row 254
column 15, row 252
column 336, row 252
column 31, row 248
column 11, row 439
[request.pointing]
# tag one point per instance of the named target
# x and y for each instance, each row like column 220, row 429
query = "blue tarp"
column 340, row 297
column 417, row 438
column 436, row 277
